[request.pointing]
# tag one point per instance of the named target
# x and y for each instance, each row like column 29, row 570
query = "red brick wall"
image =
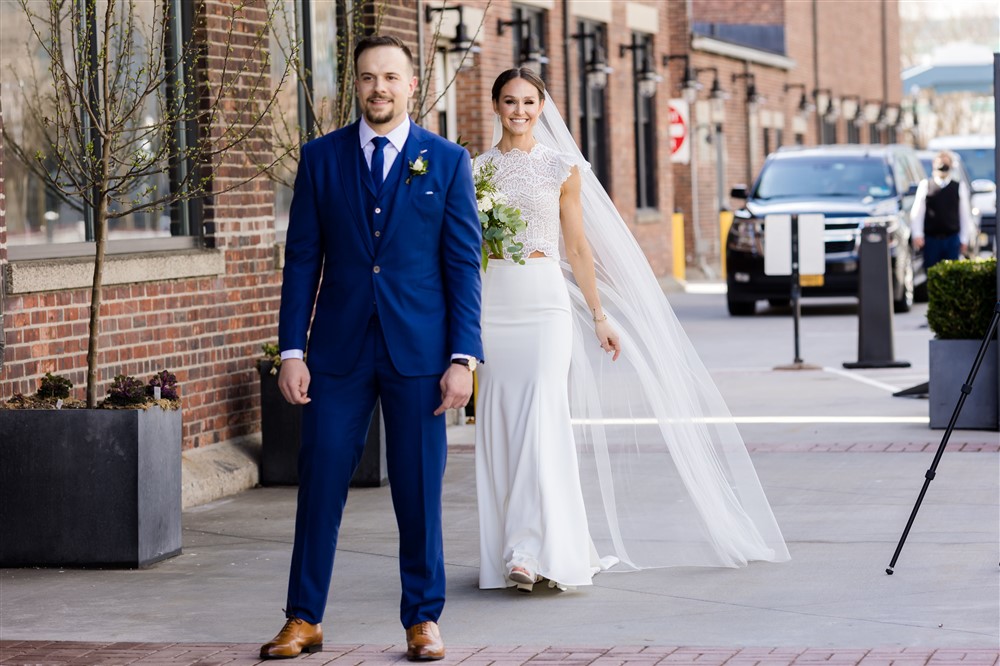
column 760, row 12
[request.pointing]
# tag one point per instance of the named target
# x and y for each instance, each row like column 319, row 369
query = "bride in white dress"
column 578, row 456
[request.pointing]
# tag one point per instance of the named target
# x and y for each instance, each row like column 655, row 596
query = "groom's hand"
column 456, row 388
column 293, row 381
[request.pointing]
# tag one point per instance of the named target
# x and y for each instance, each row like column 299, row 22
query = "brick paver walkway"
column 24, row 653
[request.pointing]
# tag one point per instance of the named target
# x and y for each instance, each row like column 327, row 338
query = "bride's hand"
column 608, row 336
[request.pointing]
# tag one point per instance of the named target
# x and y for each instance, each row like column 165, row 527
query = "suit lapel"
column 414, row 147
column 350, row 161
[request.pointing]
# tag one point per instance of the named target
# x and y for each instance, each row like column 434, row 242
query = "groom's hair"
column 374, row 41
column 509, row 75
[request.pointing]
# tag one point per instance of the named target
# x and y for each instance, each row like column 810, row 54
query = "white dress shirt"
column 967, row 227
column 397, row 139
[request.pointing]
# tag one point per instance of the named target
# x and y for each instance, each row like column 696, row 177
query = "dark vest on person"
column 379, row 206
column 941, row 218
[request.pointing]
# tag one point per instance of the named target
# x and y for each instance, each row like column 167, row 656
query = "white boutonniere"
column 418, row 167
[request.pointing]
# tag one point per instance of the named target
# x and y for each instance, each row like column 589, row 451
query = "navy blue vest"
column 378, row 208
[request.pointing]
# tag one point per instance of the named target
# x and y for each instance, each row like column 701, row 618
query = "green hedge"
column 961, row 297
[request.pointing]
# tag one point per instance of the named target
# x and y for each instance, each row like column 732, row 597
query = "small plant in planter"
column 91, row 487
column 53, row 393
column 272, row 355
column 961, row 299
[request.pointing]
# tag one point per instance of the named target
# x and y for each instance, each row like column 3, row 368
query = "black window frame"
column 594, row 140
column 646, row 191
column 528, row 21
column 187, row 216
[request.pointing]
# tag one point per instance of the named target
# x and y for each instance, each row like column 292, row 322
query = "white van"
column 978, row 153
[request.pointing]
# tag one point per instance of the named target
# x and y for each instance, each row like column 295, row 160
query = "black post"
column 875, row 309
column 932, row 472
column 796, row 287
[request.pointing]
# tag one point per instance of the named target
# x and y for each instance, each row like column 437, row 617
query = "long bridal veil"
column 666, row 475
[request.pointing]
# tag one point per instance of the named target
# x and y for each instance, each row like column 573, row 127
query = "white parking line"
column 863, row 379
column 754, row 420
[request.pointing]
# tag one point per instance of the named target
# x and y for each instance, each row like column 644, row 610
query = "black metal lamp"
column 804, row 107
column 462, row 45
column 647, row 78
column 689, row 85
column 596, row 68
column 829, row 112
column 753, row 97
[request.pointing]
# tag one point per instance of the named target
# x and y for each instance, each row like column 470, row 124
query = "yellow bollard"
column 475, row 392
column 677, row 239
column 725, row 221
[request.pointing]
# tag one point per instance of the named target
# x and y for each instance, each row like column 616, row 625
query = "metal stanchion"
column 875, row 302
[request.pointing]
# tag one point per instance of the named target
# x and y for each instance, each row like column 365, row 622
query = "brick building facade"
column 203, row 308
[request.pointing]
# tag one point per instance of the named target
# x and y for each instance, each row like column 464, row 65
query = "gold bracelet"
column 603, row 318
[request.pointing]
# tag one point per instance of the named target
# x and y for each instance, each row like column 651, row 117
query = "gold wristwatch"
column 469, row 363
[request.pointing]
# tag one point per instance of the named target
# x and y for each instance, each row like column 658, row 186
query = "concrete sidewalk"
column 840, row 460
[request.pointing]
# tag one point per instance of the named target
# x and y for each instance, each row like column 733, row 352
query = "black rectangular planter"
column 281, row 432
column 950, row 363
column 89, row 487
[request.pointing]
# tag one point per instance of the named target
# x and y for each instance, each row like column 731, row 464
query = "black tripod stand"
column 966, row 390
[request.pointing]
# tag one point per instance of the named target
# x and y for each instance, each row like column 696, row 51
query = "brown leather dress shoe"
column 423, row 642
column 296, row 637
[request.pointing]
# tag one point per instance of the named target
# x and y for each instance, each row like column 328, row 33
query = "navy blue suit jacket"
column 421, row 277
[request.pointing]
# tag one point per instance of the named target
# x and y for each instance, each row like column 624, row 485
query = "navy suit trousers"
column 334, row 427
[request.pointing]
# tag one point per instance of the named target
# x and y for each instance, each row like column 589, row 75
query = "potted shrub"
column 91, row 487
column 961, row 299
column 281, row 430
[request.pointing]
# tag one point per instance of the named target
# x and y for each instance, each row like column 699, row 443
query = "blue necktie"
column 378, row 161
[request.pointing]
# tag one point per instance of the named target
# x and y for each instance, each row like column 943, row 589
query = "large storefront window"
column 42, row 221
column 307, row 101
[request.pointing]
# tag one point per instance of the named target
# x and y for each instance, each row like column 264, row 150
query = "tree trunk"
column 100, row 238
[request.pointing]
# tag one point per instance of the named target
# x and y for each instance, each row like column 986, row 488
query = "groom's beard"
column 378, row 116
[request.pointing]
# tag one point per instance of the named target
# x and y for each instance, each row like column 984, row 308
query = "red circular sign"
column 678, row 130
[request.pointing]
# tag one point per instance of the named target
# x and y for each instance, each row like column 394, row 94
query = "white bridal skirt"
column 531, row 506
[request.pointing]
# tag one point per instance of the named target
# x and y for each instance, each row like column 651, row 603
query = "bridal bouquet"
column 500, row 221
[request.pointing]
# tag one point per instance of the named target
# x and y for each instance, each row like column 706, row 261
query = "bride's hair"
column 518, row 73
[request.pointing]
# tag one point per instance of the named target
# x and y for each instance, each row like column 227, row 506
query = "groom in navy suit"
column 384, row 238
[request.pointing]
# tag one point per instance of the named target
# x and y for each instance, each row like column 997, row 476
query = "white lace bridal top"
column 531, row 181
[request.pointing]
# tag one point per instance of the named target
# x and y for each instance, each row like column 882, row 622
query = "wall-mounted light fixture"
column 753, row 97
column 873, row 111
column 531, row 54
column 851, row 107
column 825, row 104
column 892, row 114
column 647, row 79
column 596, row 68
column 462, row 45
column 689, row 84
column 804, row 107
column 716, row 95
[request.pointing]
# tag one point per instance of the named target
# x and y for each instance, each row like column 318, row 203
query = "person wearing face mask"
column 593, row 453
column 940, row 220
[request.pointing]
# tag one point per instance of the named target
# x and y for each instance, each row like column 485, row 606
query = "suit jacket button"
column 376, row 269
column 378, row 210
column 378, row 234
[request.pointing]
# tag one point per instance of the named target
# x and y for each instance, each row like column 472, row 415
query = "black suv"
column 851, row 185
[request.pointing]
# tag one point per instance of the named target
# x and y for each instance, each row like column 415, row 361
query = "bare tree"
column 111, row 117
column 327, row 113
